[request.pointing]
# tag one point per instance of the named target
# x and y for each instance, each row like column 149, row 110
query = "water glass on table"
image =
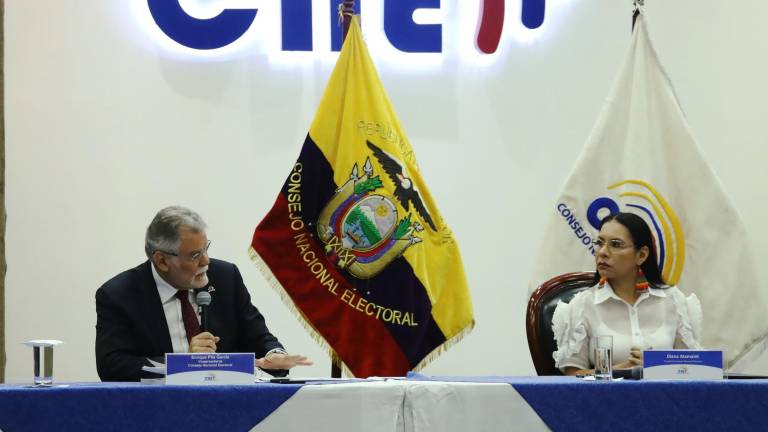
column 602, row 349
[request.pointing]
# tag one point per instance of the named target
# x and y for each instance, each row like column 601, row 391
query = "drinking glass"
column 42, row 352
column 602, row 349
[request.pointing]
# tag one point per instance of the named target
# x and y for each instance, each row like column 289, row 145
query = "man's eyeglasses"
column 194, row 256
column 613, row 244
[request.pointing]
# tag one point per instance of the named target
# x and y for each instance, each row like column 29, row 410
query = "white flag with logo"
column 641, row 157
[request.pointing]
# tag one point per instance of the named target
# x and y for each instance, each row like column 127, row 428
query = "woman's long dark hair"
column 641, row 236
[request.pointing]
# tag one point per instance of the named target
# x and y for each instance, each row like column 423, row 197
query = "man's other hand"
column 204, row 342
column 277, row 360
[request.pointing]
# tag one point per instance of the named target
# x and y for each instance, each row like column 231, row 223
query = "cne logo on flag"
column 640, row 197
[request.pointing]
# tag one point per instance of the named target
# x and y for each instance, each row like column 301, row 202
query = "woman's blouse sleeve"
column 690, row 321
column 571, row 335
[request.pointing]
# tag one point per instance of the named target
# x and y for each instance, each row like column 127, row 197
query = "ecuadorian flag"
column 354, row 241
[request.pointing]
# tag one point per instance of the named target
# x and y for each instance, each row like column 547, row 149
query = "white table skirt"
column 404, row 406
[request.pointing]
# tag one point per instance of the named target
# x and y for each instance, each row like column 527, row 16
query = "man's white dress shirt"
column 172, row 309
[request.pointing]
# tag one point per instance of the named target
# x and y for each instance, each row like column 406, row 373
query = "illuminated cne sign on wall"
column 400, row 28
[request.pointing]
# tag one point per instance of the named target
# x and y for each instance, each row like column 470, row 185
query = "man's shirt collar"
column 166, row 291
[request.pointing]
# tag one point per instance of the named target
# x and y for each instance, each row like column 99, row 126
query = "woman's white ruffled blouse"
column 660, row 318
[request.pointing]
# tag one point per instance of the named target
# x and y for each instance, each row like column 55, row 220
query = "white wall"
column 105, row 125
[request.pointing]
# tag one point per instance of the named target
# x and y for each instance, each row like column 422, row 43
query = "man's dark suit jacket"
column 131, row 324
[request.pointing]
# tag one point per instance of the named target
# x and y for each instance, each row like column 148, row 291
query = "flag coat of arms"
column 355, row 243
column 641, row 157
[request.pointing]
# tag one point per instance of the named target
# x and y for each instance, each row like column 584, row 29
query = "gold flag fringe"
column 288, row 301
column 444, row 346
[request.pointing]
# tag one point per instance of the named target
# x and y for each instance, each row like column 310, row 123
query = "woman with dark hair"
column 629, row 301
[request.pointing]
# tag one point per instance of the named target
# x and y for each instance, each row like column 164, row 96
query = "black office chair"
column 538, row 317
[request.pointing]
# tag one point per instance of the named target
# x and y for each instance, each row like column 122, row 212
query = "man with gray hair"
column 148, row 311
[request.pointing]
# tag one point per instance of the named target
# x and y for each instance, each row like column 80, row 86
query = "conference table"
column 413, row 403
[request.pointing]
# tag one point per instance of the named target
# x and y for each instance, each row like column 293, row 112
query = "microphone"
column 634, row 373
column 203, row 299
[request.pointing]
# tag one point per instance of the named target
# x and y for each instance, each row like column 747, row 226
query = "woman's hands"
column 635, row 359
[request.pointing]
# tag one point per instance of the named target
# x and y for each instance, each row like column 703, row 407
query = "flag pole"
column 635, row 12
column 346, row 11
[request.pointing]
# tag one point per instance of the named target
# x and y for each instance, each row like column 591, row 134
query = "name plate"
column 682, row 365
column 210, row 369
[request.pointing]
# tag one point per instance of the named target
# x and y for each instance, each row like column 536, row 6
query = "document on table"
column 156, row 368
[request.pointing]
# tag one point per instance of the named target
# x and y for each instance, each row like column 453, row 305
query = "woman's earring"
column 641, row 283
